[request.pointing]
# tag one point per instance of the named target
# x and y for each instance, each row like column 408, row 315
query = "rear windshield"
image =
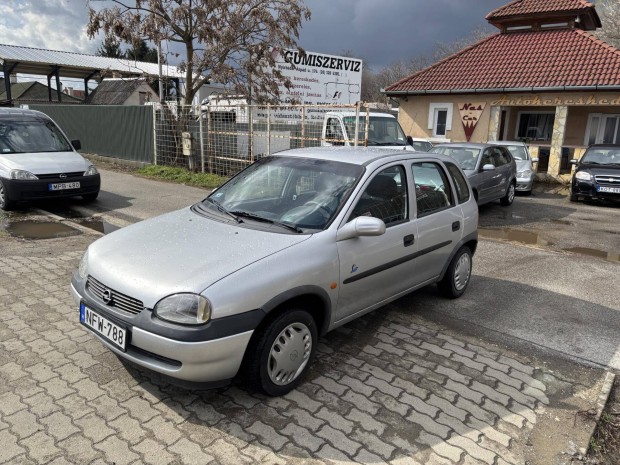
column 31, row 135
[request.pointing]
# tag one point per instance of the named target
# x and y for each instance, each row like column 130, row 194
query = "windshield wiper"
column 223, row 210
column 256, row 217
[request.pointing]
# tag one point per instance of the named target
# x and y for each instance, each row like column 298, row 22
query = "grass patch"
column 605, row 443
column 182, row 176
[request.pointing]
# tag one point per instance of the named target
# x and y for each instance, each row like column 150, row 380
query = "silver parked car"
column 37, row 161
column 525, row 164
column 491, row 170
column 292, row 247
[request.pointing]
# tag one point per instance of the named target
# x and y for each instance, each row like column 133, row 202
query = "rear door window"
column 432, row 188
column 462, row 188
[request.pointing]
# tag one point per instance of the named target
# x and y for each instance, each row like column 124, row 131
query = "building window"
column 440, row 119
column 535, row 126
column 603, row 129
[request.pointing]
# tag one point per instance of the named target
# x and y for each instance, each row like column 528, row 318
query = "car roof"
column 471, row 145
column 604, row 146
column 362, row 156
column 361, row 113
column 8, row 113
column 508, row 142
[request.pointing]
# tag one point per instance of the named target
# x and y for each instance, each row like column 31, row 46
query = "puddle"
column 98, row 224
column 609, row 256
column 513, row 235
column 39, row 229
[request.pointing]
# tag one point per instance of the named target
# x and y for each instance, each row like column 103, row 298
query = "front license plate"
column 104, row 327
column 613, row 190
column 59, row 186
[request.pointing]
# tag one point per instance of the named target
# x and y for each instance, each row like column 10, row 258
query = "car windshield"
column 31, row 135
column 602, row 156
column 422, row 146
column 293, row 194
column 518, row 152
column 381, row 130
column 466, row 157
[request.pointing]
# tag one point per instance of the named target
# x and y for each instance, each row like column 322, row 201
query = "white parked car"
column 37, row 161
column 292, row 247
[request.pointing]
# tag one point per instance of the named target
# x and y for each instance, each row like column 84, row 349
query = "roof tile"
column 567, row 57
column 528, row 7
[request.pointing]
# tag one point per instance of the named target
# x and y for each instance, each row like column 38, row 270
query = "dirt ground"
column 605, row 444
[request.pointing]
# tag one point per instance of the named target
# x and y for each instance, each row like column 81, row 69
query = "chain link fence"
column 225, row 137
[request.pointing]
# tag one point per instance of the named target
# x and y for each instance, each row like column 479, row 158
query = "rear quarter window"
column 462, row 188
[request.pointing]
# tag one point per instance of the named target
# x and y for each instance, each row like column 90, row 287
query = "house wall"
column 134, row 98
column 414, row 112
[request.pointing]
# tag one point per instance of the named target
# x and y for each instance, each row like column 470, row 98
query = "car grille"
column 77, row 174
column 119, row 301
column 608, row 180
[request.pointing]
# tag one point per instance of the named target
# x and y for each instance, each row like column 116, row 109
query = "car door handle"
column 408, row 240
column 456, row 226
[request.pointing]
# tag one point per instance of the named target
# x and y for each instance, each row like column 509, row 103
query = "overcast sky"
column 378, row 31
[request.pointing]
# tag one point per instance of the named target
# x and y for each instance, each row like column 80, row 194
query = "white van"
column 383, row 131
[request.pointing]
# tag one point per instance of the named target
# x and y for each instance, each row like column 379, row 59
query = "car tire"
column 6, row 204
column 573, row 197
column 283, row 352
column 507, row 199
column 91, row 197
column 457, row 277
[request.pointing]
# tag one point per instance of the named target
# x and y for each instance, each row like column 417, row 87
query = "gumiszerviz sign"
column 320, row 79
column 470, row 115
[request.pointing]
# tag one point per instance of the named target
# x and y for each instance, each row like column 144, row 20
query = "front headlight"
column 185, row 309
column 91, row 171
column 583, row 175
column 83, row 267
column 22, row 175
column 524, row 174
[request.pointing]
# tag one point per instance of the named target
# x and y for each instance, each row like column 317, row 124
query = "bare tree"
column 609, row 11
column 226, row 41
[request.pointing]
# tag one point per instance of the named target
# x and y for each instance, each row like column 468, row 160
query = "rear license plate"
column 59, row 186
column 103, row 327
column 613, row 190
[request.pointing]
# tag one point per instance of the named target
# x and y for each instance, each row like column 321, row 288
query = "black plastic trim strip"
column 392, row 264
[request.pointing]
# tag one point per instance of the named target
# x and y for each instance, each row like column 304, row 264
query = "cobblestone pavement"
column 391, row 387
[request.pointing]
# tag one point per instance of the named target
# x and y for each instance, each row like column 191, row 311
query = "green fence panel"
column 124, row 132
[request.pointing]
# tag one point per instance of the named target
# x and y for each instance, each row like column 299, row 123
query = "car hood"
column 178, row 252
column 600, row 170
column 45, row 162
column 523, row 165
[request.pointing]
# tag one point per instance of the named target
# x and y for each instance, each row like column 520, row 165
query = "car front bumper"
column 210, row 363
column 18, row 190
column 590, row 190
column 525, row 184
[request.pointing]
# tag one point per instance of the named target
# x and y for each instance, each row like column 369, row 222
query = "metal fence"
column 225, row 138
column 124, row 132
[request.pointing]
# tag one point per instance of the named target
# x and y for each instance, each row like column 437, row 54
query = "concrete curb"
column 600, row 406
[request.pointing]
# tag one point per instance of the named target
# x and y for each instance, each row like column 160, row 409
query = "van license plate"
column 103, row 327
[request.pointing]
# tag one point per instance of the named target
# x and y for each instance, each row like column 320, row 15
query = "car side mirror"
column 534, row 160
column 574, row 161
column 488, row 167
column 77, row 145
column 362, row 226
column 410, row 140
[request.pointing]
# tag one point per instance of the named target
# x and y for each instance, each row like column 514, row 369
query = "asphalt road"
column 545, row 272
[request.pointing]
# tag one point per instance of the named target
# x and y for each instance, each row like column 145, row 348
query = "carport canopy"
column 54, row 63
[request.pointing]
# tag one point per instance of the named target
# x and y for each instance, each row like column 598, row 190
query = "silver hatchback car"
column 292, row 247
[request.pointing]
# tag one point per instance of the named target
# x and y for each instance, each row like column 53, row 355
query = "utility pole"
column 161, row 83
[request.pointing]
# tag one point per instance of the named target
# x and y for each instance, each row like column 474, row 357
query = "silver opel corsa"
column 292, row 247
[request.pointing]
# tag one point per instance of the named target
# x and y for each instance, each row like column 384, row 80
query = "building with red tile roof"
column 544, row 78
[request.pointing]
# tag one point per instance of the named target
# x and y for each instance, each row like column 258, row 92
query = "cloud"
column 49, row 24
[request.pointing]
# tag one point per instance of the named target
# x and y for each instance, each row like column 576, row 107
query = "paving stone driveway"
column 388, row 388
